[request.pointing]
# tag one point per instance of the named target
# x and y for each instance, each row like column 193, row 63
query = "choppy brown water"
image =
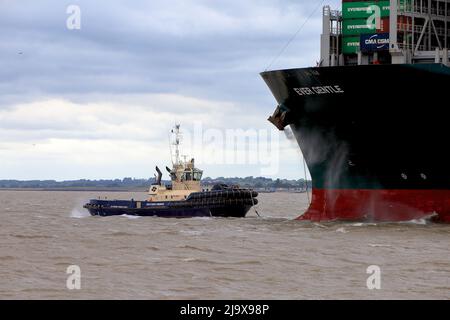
column 274, row 257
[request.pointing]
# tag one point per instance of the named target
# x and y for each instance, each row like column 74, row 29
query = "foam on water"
column 376, row 245
column 417, row 221
column 363, row 224
column 320, row 225
column 192, row 232
column 341, row 230
column 130, row 216
column 201, row 218
column 423, row 221
column 79, row 213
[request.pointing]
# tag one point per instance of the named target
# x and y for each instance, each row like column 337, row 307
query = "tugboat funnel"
column 158, row 179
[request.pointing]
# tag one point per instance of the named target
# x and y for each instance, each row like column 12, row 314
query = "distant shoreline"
column 77, row 189
column 82, row 189
column 141, row 185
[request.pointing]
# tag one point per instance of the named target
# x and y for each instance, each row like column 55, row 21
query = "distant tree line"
column 261, row 182
column 82, row 183
column 128, row 183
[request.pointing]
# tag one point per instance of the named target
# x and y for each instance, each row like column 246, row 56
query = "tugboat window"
column 197, row 175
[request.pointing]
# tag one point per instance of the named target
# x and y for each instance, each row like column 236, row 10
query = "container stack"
column 386, row 32
column 365, row 26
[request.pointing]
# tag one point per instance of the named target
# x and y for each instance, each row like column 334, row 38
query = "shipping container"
column 350, row 45
column 384, row 26
column 355, row 10
column 363, row 26
column 357, row 26
column 421, row 29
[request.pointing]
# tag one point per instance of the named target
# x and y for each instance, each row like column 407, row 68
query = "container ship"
column 371, row 117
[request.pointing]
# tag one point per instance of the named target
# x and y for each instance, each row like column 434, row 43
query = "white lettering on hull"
column 308, row 91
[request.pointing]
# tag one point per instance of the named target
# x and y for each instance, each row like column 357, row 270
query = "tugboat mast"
column 176, row 143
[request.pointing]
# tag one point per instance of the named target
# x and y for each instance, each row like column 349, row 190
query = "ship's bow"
column 373, row 137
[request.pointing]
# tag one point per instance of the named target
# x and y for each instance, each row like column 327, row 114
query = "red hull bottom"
column 378, row 205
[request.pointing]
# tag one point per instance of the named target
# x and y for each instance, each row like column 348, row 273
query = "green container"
column 350, row 45
column 357, row 27
column 355, row 10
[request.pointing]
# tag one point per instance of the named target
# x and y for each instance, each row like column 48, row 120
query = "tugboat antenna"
column 170, row 148
column 178, row 137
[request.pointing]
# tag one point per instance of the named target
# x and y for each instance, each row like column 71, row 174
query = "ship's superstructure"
column 185, row 177
column 393, row 31
column 371, row 118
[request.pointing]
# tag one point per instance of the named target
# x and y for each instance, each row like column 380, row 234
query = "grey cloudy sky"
column 98, row 102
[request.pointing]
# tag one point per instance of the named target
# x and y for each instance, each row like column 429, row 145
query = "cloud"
column 126, row 117
column 134, row 69
column 100, row 139
column 204, row 48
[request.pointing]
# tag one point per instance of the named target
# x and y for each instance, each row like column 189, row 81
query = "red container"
column 384, row 28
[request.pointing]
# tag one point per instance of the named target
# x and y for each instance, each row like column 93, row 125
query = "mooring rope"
column 253, row 204
column 306, row 180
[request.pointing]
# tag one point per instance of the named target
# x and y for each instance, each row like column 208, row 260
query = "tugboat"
column 183, row 198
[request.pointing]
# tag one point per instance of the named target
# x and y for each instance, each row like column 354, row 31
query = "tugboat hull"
column 202, row 204
column 232, row 212
column 236, row 211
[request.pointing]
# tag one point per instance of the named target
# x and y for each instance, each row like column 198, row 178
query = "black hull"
column 218, row 203
column 375, row 134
